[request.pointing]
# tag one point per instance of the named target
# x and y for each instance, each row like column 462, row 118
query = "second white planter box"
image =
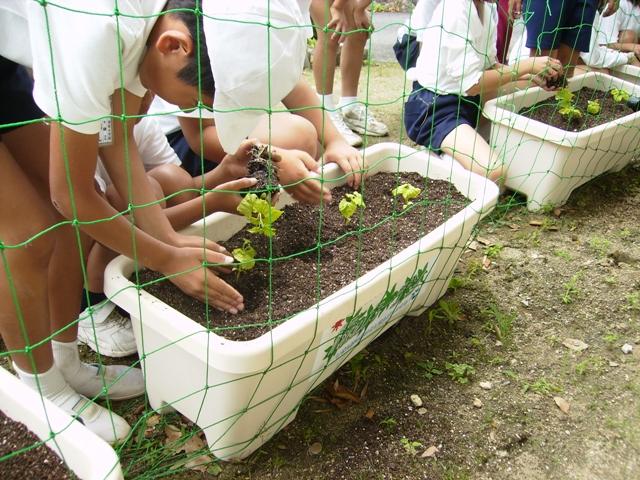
column 88, row 456
column 242, row 393
column 546, row 163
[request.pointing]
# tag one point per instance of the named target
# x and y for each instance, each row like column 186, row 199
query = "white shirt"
column 599, row 56
column 457, row 47
column 153, row 147
column 254, row 67
column 419, row 19
column 610, row 27
column 167, row 114
column 83, row 49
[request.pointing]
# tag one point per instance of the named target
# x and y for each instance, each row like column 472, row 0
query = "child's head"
column 171, row 64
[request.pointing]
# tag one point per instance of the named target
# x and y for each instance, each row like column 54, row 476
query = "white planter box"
column 546, row 163
column 242, row 393
column 628, row 73
column 88, row 456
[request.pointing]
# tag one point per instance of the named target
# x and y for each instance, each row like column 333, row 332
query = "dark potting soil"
column 39, row 462
column 349, row 250
column 547, row 111
column 261, row 168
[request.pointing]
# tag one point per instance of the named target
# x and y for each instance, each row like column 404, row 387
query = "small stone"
column 430, row 452
column 502, row 454
column 613, row 364
column 627, row 348
column 477, row 403
column 575, row 344
column 422, row 411
column 562, row 404
column 486, row 385
column 498, row 343
column 416, row 400
column 315, row 448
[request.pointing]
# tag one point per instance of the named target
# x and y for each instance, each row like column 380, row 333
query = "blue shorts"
column 429, row 117
column 16, row 96
column 190, row 160
column 552, row 22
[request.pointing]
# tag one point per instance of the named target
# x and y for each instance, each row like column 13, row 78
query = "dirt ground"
column 519, row 368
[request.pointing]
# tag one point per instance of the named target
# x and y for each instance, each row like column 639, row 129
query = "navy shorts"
column 552, row 22
column 16, row 96
column 429, row 117
column 190, row 159
column 407, row 50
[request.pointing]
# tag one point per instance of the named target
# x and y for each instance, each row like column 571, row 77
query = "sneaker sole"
column 368, row 133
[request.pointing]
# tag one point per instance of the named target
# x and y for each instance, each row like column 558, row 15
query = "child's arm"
column 305, row 103
column 494, row 79
column 210, row 145
column 77, row 153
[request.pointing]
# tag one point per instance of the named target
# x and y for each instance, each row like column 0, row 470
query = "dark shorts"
column 429, row 117
column 407, row 50
column 16, row 96
column 190, row 159
column 552, row 22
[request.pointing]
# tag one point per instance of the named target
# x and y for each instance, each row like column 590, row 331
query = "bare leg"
column 569, row 57
column 288, row 131
column 25, row 322
column 351, row 63
column 324, row 54
column 472, row 152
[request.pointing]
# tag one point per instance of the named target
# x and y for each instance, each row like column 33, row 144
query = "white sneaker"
column 113, row 334
column 109, row 426
column 352, row 139
column 361, row 120
column 121, row 382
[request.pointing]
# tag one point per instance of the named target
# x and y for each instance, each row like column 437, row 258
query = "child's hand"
column 235, row 165
column 361, row 18
column 546, row 66
column 298, row 173
column 340, row 21
column 201, row 284
column 192, row 241
column 224, row 200
column 348, row 159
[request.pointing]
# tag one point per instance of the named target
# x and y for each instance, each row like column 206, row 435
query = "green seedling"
column 593, row 107
column 408, row 192
column 619, row 96
column 350, row 204
column 600, row 245
column 245, row 256
column 260, row 213
column 541, row 387
column 429, row 369
column 571, row 289
column 389, row 423
column 564, row 96
column 411, row 447
column 499, row 322
column 493, row 251
column 633, row 301
column 460, row 372
column 570, row 112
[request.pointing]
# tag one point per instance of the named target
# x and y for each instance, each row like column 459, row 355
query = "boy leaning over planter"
column 457, row 65
column 87, row 67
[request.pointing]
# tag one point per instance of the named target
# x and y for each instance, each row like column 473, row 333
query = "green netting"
column 232, row 396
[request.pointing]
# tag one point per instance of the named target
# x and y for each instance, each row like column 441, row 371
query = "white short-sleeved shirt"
column 599, row 56
column 457, row 47
column 254, row 66
column 153, row 148
column 610, row 27
column 77, row 44
column 419, row 19
column 167, row 114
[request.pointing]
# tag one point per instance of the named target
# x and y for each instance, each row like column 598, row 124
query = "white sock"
column 327, row 101
column 347, row 101
column 81, row 376
column 52, row 385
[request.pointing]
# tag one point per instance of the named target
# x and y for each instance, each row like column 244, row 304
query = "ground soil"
column 347, row 251
column 547, row 111
column 38, row 462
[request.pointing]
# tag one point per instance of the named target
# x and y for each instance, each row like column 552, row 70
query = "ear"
column 174, row 41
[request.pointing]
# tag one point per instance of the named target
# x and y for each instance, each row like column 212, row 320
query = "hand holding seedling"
column 546, row 68
column 350, row 204
column 235, row 165
column 348, row 159
column 298, row 174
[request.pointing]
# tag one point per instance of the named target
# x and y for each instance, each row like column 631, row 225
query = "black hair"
column 185, row 10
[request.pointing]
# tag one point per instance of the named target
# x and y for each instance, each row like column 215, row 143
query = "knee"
column 307, row 135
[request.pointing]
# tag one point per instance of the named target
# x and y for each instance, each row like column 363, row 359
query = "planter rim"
column 298, row 321
column 496, row 111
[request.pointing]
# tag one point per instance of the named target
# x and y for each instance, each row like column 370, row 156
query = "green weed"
column 411, row 447
column 460, row 372
column 571, row 289
column 429, row 369
column 600, row 245
column 541, row 387
column 499, row 322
